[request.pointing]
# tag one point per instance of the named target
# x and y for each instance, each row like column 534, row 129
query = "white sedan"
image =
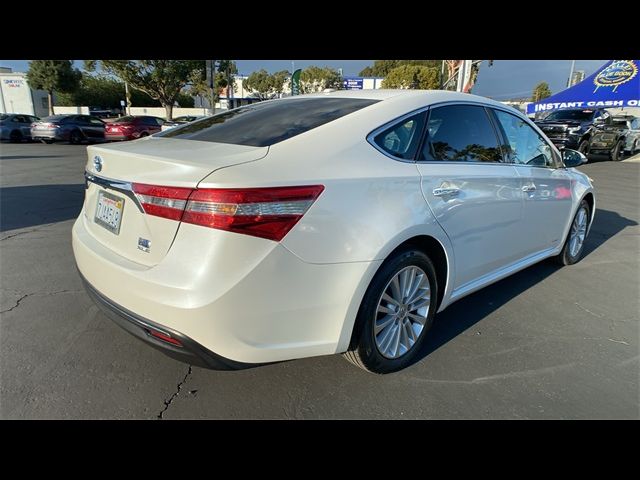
column 176, row 122
column 321, row 224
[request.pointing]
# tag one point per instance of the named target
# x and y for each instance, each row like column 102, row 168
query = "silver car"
column 631, row 125
column 16, row 127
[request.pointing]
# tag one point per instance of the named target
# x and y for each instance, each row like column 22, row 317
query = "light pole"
column 573, row 65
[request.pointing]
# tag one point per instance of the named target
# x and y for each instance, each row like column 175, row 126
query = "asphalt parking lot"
column 546, row 343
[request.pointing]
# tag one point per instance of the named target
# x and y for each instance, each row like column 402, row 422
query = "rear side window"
column 460, row 133
column 402, row 139
column 264, row 124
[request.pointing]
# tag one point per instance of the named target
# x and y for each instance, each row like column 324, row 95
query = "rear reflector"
column 164, row 337
column 262, row 212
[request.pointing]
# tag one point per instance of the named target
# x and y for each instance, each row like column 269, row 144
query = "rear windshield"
column 264, row 124
column 620, row 123
column 56, row 118
column 125, row 119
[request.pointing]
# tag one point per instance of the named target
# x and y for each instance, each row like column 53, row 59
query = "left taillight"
column 166, row 202
column 261, row 212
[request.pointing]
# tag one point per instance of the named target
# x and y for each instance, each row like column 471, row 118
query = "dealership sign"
column 352, row 83
column 615, row 85
column 13, row 83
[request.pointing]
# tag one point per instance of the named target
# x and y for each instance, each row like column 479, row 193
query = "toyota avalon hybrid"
column 318, row 224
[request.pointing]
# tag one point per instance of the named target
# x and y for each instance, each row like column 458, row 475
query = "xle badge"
column 144, row 244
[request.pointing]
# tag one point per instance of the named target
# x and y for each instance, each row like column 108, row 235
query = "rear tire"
column 75, row 137
column 16, row 136
column 388, row 334
column 144, row 134
column 616, row 153
column 569, row 254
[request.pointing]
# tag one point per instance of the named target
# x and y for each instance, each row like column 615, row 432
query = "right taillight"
column 269, row 212
column 262, row 212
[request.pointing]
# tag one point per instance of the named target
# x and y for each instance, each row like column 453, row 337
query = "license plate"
column 109, row 211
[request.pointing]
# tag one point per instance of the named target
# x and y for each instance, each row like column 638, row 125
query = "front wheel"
column 396, row 313
column 574, row 245
column 584, row 147
column 616, row 153
column 16, row 136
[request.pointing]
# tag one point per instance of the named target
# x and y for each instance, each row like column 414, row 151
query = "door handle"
column 529, row 188
column 444, row 191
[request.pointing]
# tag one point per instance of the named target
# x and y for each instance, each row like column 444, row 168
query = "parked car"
column 321, row 224
column 102, row 112
column 72, row 128
column 574, row 127
column 615, row 138
column 132, row 127
column 16, row 127
column 180, row 121
column 631, row 126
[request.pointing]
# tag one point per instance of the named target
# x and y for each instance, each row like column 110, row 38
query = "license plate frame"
column 105, row 216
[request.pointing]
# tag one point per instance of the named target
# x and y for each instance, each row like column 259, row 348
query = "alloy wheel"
column 402, row 312
column 578, row 232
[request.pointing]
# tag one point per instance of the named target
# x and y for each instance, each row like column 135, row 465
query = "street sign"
column 353, row 83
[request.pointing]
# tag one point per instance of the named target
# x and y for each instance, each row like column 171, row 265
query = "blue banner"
column 615, row 85
column 352, row 83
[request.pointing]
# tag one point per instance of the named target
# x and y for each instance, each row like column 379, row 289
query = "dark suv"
column 574, row 127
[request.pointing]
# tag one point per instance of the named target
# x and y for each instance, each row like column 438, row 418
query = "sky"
column 506, row 79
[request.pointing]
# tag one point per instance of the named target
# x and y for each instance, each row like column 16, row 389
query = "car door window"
column 523, row 144
column 460, row 133
column 402, row 139
column 96, row 121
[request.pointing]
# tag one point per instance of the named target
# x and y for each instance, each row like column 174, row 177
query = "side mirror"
column 573, row 158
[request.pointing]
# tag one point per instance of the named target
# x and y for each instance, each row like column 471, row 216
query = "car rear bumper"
column 190, row 352
column 249, row 300
column 47, row 135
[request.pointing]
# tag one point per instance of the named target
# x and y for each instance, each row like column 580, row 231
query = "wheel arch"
column 440, row 253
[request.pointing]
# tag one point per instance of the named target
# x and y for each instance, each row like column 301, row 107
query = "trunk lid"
column 111, row 210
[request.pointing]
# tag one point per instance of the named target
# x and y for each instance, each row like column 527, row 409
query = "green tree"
column 264, row 85
column 412, row 76
column 162, row 80
column 103, row 91
column 381, row 68
column 225, row 69
column 317, row 79
column 540, row 92
column 50, row 75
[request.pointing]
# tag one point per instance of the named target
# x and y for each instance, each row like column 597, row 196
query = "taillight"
column 262, row 212
column 166, row 202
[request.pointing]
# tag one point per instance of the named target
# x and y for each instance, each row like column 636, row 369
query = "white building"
column 17, row 97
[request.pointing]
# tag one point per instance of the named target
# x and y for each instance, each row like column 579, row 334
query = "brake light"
column 261, row 212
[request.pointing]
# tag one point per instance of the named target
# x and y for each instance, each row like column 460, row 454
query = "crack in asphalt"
column 41, row 294
column 17, row 303
column 168, row 402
